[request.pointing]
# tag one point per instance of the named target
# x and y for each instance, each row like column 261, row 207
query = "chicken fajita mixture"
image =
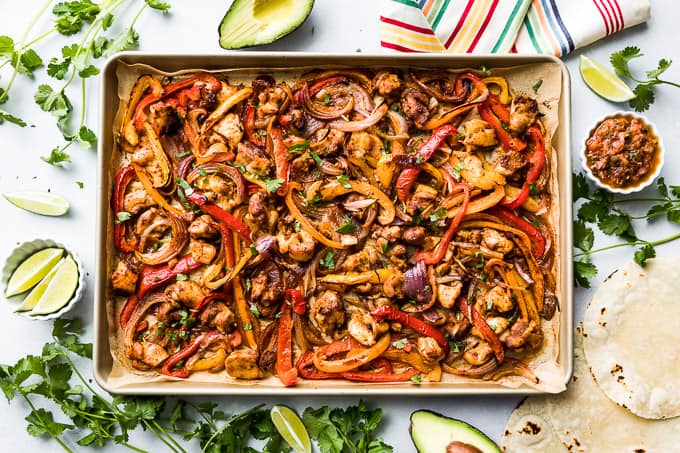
column 367, row 225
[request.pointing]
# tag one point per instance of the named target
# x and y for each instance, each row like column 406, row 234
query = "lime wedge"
column 37, row 292
column 60, row 289
column 604, row 82
column 291, row 428
column 38, row 202
column 32, row 270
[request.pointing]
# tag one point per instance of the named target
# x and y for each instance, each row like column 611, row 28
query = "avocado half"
column 432, row 433
column 254, row 22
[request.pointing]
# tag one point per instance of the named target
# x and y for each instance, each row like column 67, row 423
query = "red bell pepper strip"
column 408, row 175
column 536, row 162
column 281, row 155
column 508, row 142
column 295, row 299
column 480, row 323
column 284, row 348
column 382, row 373
column 124, row 177
column 516, row 221
column 307, row 370
column 170, row 366
column 138, row 117
column 228, row 220
column 500, row 110
column 249, row 125
column 396, row 315
column 326, row 82
column 151, row 277
column 436, row 255
column 128, row 309
column 207, row 299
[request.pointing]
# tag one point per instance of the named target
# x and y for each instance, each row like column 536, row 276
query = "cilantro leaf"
column 347, row 227
column 592, row 210
column 535, row 87
column 344, row 181
column 86, row 135
column 88, row 71
column 159, row 5
column 583, row 236
column 27, row 62
column 643, row 254
column 618, row 224
column 644, row 97
column 52, row 101
column 41, row 422
column 299, row 148
column 583, row 272
column 127, row 40
column 57, row 157
column 328, row 260
column 580, row 186
column 71, row 16
column 620, row 59
column 272, row 185
column 660, row 69
column 673, row 215
column 658, row 210
column 6, row 46
column 4, row 116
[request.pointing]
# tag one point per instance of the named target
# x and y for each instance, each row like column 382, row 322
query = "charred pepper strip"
column 436, row 255
column 124, row 177
column 536, row 162
column 508, row 142
column 228, row 220
column 170, row 367
column 514, row 220
column 295, row 299
column 480, row 323
column 151, row 277
column 396, row 315
column 284, row 348
column 408, row 176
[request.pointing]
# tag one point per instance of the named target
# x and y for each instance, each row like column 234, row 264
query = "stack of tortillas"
column 625, row 389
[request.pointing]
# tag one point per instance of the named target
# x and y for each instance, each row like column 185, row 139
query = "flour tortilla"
column 632, row 338
column 583, row 419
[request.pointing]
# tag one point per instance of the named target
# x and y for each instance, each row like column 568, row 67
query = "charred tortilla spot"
column 531, row 428
column 616, row 369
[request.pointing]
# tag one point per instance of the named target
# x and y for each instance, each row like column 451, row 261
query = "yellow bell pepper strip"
column 212, row 363
column 536, row 166
column 504, row 95
column 143, row 177
column 436, row 255
column 306, row 224
column 170, row 367
column 159, row 157
column 408, row 176
column 334, row 189
column 357, row 278
column 480, row 323
column 356, row 357
column 224, row 107
column 144, row 83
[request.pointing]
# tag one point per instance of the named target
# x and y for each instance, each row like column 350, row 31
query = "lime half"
column 37, row 292
column 39, row 202
column 291, row 428
column 32, row 270
column 604, row 82
column 60, row 289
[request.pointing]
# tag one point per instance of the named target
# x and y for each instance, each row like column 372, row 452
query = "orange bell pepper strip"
column 478, row 321
column 284, row 348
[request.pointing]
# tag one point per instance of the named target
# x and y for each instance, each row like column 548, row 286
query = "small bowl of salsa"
column 623, row 153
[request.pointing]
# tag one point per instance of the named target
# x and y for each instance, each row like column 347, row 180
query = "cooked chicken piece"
column 499, row 298
column 149, row 353
column 242, row 364
column 523, row 111
column 361, row 261
column 257, row 208
column 386, row 83
column 496, row 241
column 429, row 349
column 364, row 328
column 213, row 183
column 422, row 197
column 474, row 172
column 507, row 163
column 448, row 293
column 479, row 354
column 362, row 143
column 231, row 129
column 327, row 312
column 472, row 236
column 394, row 286
column 187, row 292
column 295, row 118
column 498, row 324
column 143, row 155
column 219, row 316
column 479, row 133
column 523, row 333
column 391, row 233
column 414, row 235
column 163, row 118
column 298, row 245
column 271, row 99
column 124, row 278
column 415, row 104
column 457, row 326
column 267, row 286
column 253, row 158
column 202, row 252
column 201, row 228
column 328, row 141
column 136, row 199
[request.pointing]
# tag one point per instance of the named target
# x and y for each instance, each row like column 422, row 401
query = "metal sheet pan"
column 102, row 359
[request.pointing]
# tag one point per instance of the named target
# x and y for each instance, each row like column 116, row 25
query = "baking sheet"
column 553, row 365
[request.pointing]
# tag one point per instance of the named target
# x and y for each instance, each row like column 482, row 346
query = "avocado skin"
column 486, row 445
column 250, row 42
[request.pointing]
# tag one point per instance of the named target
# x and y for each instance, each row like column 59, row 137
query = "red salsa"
column 622, row 151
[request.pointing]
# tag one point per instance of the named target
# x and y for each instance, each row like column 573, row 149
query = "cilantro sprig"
column 644, row 90
column 90, row 20
column 602, row 209
column 98, row 420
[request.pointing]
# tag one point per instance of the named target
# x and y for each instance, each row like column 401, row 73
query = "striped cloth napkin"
column 501, row 26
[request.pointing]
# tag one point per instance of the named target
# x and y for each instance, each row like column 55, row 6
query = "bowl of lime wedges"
column 43, row 279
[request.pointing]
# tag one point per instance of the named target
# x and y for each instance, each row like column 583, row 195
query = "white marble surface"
column 335, row 25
